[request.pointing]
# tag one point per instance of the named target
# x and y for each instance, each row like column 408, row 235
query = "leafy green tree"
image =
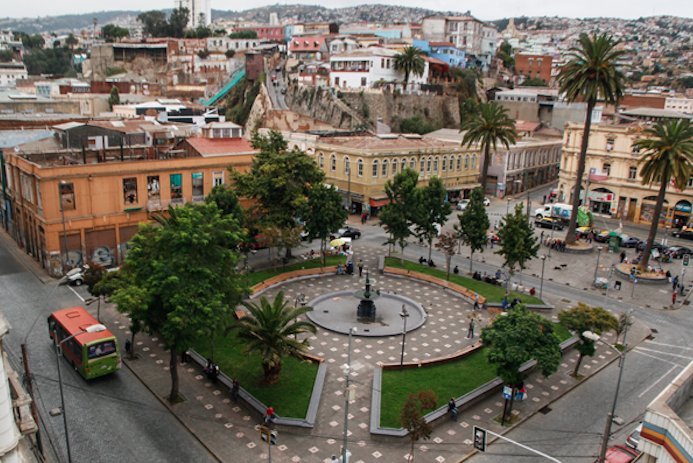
column 473, row 225
column 279, row 181
column 431, row 211
column 154, row 23
column 227, row 201
column 114, row 97
column 410, row 61
column 323, row 214
column 416, row 124
column 6, row 56
column 54, row 61
column 230, row 53
column 412, row 417
column 516, row 338
column 590, row 74
column 518, row 243
column 466, row 82
column 505, row 54
column 203, row 54
column 397, row 215
column 487, row 128
column 624, row 321
column 534, row 82
column 185, row 294
column 243, row 35
column 178, row 22
column 113, row 33
column 31, row 42
column 666, row 155
column 583, row 318
column 271, row 330
column 447, row 243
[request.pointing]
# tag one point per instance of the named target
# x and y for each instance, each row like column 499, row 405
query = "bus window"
column 101, row 349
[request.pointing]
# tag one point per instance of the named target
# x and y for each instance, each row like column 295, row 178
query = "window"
column 347, row 166
column 459, row 162
column 385, row 168
column 333, row 163
column 153, row 187
column 130, row 190
column 27, row 187
column 218, row 178
column 452, row 162
column 633, row 173
column 321, row 160
column 435, row 164
column 412, row 163
column 428, row 164
column 610, row 144
column 606, row 168
column 176, row 187
column 375, row 168
column 364, row 82
column 474, row 161
column 635, row 149
column 67, row 196
column 198, row 184
column 422, row 166
column 445, row 163
column 394, row 167
column 359, row 165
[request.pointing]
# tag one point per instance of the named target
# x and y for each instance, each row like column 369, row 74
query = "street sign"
column 480, row 439
column 507, row 392
column 686, row 259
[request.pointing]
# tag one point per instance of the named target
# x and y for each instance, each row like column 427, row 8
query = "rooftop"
column 209, row 147
column 386, row 142
column 654, row 112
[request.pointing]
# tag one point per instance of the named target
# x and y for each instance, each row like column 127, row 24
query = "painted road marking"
column 656, row 382
column 657, row 358
column 669, row 345
column 687, row 357
column 76, row 293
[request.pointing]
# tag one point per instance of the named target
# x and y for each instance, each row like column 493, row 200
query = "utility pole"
column 30, row 389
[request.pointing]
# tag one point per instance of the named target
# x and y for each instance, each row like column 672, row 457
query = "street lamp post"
column 541, row 284
column 347, row 376
column 612, row 412
column 404, row 314
column 300, row 299
column 349, row 186
column 507, row 207
column 596, row 267
column 62, row 215
column 58, row 353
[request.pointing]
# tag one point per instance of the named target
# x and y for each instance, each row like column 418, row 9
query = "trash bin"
column 614, row 242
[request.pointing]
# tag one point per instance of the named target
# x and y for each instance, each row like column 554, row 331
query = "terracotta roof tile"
column 221, row 146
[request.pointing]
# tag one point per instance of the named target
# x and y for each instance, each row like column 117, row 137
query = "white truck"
column 555, row 210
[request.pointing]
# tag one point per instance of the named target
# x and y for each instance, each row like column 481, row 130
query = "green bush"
column 416, row 124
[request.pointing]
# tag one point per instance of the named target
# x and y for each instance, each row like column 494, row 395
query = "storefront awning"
column 378, row 202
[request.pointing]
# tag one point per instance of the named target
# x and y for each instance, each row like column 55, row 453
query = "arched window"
column 359, row 165
column 474, row 161
column 375, row 168
column 459, row 162
column 428, row 164
column 321, row 161
column 333, row 163
column 445, row 163
column 435, row 164
column 394, row 167
column 412, row 164
column 347, row 166
column 422, row 166
column 466, row 162
column 404, row 164
column 452, row 162
column 384, row 167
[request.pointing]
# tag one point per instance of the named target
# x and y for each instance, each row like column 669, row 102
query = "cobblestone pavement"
column 231, row 432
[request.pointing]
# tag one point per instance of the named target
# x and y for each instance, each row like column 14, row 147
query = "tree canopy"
column 323, row 214
column 155, row 24
column 412, row 417
column 410, row 61
column 583, row 318
column 113, row 33
column 518, row 243
column 431, row 211
column 397, row 215
column 183, row 295
column 473, row 224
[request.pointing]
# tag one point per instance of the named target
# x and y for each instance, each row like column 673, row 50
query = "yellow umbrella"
column 337, row 242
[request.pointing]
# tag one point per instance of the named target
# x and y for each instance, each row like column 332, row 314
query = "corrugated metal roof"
column 10, row 138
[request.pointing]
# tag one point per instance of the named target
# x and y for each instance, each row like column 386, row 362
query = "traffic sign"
column 480, row 439
column 686, row 259
column 507, row 392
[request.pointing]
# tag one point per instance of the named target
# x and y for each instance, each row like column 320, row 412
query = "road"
column 113, row 418
column 275, row 87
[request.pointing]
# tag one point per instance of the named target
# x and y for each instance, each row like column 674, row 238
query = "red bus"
column 91, row 354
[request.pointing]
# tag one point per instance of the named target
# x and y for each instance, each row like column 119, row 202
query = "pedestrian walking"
column 674, row 282
column 476, row 301
column 235, row 389
column 470, row 330
column 269, row 416
column 673, row 298
column 360, row 267
column 622, row 256
column 452, row 408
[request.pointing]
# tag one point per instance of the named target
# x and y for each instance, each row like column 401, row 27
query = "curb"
column 165, row 403
column 24, row 258
column 560, row 396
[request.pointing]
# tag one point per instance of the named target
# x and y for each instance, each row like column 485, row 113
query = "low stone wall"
column 292, row 275
column 466, row 293
column 464, row 352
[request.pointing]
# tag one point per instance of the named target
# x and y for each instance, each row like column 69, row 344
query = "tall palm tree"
column 271, row 330
column 591, row 73
column 410, row 61
column 488, row 127
column 667, row 154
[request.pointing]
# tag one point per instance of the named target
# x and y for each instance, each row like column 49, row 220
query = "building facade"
column 10, row 73
column 612, row 178
column 364, row 67
column 467, row 33
column 67, row 206
column 200, row 12
column 534, row 66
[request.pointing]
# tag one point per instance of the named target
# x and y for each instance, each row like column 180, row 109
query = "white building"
column 10, row 73
column 223, row 44
column 466, row 32
column 200, row 11
column 363, row 68
column 681, row 104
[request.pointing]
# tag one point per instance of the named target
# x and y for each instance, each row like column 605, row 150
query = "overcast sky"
column 483, row 9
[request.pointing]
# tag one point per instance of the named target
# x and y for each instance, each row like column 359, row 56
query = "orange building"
column 534, row 66
column 90, row 202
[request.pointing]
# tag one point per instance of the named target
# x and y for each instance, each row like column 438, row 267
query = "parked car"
column 347, row 232
column 620, row 454
column 583, row 232
column 630, row 241
column 548, row 222
column 684, row 233
column 462, row 205
column 487, row 202
column 74, row 277
column 602, row 236
column 633, row 438
column 658, row 246
column 677, row 252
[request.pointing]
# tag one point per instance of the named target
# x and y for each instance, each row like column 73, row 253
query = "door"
column 631, row 209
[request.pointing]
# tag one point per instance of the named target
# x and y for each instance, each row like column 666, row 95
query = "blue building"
column 444, row 51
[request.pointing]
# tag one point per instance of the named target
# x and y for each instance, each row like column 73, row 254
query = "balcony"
column 154, row 205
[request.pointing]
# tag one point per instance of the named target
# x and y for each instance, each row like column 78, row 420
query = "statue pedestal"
column 366, row 310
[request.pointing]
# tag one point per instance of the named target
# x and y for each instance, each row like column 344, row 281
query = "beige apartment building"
column 612, row 178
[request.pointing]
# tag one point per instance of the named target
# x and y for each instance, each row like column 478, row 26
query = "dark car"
column 347, row 232
column 677, row 252
column 685, row 233
column 633, row 439
column 658, row 246
column 548, row 222
column 630, row 241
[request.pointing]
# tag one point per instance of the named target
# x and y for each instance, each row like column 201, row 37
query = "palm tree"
column 271, row 330
column 590, row 74
column 488, row 127
column 667, row 154
column 410, row 61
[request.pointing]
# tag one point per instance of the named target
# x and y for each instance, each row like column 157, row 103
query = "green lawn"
column 561, row 332
column 492, row 293
column 446, row 380
column 289, row 397
column 254, row 278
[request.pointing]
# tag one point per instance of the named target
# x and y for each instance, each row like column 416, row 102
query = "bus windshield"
column 101, row 349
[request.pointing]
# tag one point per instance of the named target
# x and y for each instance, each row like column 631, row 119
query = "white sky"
column 483, row 9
